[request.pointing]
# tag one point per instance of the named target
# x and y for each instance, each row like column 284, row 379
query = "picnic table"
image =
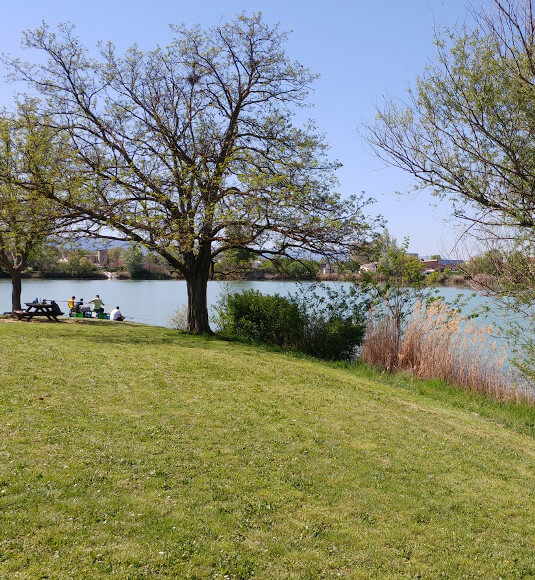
column 49, row 309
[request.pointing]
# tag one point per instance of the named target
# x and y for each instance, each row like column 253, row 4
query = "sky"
column 363, row 51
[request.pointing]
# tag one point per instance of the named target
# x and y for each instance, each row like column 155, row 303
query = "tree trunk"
column 16, row 289
column 197, row 282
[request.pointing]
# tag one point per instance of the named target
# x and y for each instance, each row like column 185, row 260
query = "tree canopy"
column 189, row 143
column 34, row 160
column 467, row 129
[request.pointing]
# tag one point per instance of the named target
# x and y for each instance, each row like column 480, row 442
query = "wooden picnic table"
column 49, row 309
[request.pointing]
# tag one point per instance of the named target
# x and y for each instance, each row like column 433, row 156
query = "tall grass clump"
column 438, row 342
column 179, row 318
column 381, row 344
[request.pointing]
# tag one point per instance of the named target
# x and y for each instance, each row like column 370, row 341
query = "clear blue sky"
column 362, row 50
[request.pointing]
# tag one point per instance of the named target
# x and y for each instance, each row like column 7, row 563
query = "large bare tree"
column 194, row 141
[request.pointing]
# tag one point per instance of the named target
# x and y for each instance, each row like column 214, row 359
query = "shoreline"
column 109, row 276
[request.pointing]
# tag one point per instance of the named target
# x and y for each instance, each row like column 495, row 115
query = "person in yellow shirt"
column 70, row 303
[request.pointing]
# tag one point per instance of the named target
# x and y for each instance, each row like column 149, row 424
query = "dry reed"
column 381, row 344
column 439, row 342
column 458, row 280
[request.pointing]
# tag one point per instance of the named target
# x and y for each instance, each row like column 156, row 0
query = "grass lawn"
column 135, row 452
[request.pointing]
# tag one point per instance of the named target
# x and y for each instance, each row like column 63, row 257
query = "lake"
column 154, row 301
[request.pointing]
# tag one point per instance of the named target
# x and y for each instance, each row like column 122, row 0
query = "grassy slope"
column 133, row 452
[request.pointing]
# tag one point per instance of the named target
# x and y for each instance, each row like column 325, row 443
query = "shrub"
column 458, row 280
column 327, row 325
column 256, row 316
column 437, row 277
column 123, row 275
column 333, row 338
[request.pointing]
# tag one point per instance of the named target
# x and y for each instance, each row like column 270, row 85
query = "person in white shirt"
column 115, row 314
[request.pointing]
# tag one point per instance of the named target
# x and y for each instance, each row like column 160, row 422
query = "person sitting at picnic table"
column 97, row 304
column 81, row 307
column 71, row 303
column 115, row 314
column 78, row 305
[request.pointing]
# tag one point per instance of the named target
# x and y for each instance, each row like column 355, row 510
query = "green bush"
column 326, row 326
column 332, row 338
column 335, row 320
column 256, row 316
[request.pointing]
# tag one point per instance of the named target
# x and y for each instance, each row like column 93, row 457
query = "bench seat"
column 22, row 314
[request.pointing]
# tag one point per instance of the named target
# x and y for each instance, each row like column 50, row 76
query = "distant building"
column 326, row 268
column 429, row 266
column 371, row 267
column 99, row 258
column 451, row 264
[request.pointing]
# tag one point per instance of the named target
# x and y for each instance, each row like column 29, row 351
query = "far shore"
column 456, row 281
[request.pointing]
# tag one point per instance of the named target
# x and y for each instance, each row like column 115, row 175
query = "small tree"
column 134, row 262
column 468, row 129
column 32, row 160
column 403, row 287
column 392, row 302
column 193, row 142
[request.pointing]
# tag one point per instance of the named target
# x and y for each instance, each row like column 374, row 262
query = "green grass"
column 135, row 452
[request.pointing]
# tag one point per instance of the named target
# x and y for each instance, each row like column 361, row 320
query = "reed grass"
column 437, row 342
column 381, row 343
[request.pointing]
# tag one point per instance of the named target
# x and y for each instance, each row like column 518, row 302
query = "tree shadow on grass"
column 115, row 333
column 133, row 333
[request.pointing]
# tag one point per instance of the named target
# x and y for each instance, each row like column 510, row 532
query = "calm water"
column 154, row 301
